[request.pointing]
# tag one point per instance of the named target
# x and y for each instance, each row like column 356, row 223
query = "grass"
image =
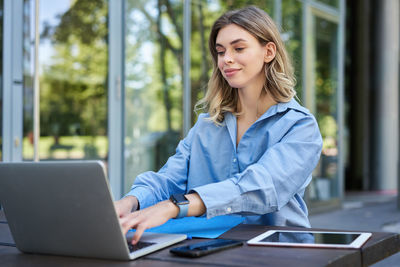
column 69, row 147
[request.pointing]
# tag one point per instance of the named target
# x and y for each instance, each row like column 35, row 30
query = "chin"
column 235, row 85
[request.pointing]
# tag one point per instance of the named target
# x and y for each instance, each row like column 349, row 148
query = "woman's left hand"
column 147, row 218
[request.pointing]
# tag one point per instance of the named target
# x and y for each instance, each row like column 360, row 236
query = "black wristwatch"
column 183, row 204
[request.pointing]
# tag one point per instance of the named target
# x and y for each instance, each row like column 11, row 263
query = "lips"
column 230, row 72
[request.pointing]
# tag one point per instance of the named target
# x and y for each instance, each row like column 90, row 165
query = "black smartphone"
column 204, row 248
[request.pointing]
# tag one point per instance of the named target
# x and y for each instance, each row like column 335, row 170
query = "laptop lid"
column 64, row 208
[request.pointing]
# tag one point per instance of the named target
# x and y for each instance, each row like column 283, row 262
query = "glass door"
column 153, row 85
column 154, row 76
column 322, row 98
column 1, row 79
column 73, row 66
column 73, row 70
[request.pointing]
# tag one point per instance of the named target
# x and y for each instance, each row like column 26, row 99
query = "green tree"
column 74, row 85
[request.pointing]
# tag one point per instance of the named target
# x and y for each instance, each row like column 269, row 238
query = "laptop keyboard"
column 139, row 245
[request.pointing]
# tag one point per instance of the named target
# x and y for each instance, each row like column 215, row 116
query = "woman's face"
column 241, row 57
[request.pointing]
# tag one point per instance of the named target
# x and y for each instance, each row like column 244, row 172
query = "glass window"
column 153, row 84
column 334, row 3
column 224, row 6
column 1, row 79
column 73, row 66
column 325, row 182
column 153, row 75
column 28, row 76
column 292, row 36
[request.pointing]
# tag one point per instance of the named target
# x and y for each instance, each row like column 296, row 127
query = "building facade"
column 118, row 80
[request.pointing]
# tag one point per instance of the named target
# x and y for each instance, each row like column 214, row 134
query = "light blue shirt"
column 262, row 178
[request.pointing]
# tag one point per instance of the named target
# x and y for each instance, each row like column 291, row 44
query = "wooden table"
column 378, row 247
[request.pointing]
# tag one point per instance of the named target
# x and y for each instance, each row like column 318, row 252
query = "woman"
column 253, row 152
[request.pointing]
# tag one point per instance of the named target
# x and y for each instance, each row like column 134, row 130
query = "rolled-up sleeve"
column 266, row 186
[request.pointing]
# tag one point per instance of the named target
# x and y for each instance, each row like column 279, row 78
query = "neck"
column 253, row 102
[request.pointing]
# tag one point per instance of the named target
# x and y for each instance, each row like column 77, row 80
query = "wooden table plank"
column 240, row 256
column 269, row 256
column 10, row 256
column 381, row 245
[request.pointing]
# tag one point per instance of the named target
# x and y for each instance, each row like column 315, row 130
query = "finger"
column 120, row 216
column 138, row 234
column 128, row 222
column 120, row 213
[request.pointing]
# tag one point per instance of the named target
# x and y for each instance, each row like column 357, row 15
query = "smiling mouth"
column 230, row 72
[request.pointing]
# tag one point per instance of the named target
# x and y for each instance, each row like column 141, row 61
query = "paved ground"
column 364, row 212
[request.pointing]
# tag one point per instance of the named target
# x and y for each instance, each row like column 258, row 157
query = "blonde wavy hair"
column 280, row 81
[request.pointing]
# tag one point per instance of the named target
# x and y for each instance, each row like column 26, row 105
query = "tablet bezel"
column 357, row 243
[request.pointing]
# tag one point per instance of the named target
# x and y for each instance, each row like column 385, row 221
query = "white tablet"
column 304, row 238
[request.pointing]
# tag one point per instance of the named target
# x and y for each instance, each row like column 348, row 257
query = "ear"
column 270, row 52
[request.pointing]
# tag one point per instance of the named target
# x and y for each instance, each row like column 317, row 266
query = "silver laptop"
column 66, row 208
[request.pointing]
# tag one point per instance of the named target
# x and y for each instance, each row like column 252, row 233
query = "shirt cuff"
column 144, row 196
column 216, row 205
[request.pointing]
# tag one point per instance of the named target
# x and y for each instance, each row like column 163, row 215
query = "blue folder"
column 199, row 226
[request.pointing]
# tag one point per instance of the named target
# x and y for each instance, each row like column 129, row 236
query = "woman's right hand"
column 126, row 205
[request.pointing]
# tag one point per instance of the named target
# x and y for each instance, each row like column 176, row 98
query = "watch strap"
column 183, row 210
column 182, row 203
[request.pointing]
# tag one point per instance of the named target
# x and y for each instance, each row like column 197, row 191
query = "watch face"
column 179, row 199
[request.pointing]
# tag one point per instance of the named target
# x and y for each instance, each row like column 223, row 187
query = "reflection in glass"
column 153, row 75
column 153, row 84
column 290, row 237
column 311, row 238
column 1, row 80
column 334, row 3
column 73, row 60
column 28, row 76
column 292, row 36
column 325, row 185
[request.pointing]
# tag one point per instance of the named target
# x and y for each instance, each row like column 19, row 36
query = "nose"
column 228, row 58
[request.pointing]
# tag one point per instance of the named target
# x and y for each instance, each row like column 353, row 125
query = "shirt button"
column 234, row 160
column 228, row 209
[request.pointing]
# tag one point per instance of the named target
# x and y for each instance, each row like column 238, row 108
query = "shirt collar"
column 231, row 122
column 230, row 119
column 283, row 107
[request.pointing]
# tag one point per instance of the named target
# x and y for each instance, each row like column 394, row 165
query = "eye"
column 220, row 53
column 239, row 49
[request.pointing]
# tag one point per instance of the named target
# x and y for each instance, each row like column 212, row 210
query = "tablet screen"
column 311, row 238
column 319, row 239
